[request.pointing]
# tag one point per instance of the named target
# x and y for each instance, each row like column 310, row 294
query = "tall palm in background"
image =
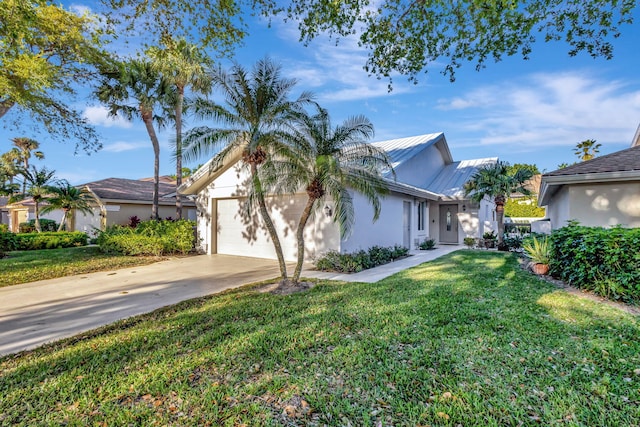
column 24, row 148
column 136, row 89
column 494, row 181
column 39, row 186
column 587, row 149
column 253, row 120
column 9, row 170
column 184, row 66
column 68, row 198
column 331, row 161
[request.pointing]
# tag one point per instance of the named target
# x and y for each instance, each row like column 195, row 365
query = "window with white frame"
column 422, row 211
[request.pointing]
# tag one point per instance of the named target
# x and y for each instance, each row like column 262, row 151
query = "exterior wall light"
column 327, row 210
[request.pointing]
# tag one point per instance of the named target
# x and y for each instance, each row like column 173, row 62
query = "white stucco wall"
column 421, row 169
column 388, row 230
column 321, row 234
column 605, row 204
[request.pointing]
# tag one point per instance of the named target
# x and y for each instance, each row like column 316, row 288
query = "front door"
column 449, row 223
column 406, row 224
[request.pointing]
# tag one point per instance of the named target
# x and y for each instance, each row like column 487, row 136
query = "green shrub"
column 605, row 260
column 427, row 244
column 4, row 228
column 8, row 243
column 149, row 238
column 513, row 242
column 360, row 260
column 526, row 207
column 50, row 240
column 45, row 225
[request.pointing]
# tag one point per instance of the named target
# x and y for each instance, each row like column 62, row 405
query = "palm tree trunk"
column 36, row 210
column 148, row 122
column 63, row 220
column 500, row 218
column 300, row 236
column 257, row 185
column 179, row 150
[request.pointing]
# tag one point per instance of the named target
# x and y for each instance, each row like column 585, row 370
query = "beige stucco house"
column 604, row 191
column 117, row 199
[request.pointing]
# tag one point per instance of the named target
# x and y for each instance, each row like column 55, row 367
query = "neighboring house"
column 604, row 191
column 117, row 200
column 425, row 201
column 4, row 211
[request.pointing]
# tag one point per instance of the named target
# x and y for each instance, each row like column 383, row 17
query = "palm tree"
column 183, row 65
column 254, row 116
column 25, row 147
column 68, row 198
column 587, row 149
column 9, row 169
column 39, row 187
column 136, row 89
column 331, row 161
column 494, row 181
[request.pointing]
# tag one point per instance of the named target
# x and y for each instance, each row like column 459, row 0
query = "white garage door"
column 239, row 234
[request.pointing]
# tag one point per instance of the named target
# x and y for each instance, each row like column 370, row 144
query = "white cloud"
column 99, row 116
column 80, row 9
column 120, row 146
column 549, row 109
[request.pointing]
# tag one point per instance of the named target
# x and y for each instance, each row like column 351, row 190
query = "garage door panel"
column 245, row 235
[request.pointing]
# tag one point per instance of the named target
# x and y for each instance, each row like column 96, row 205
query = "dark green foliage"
column 8, row 242
column 45, row 225
column 526, row 207
column 513, row 242
column 149, row 238
column 604, row 260
column 50, row 240
column 427, row 244
column 360, row 260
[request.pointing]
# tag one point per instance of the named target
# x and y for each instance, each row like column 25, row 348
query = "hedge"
column 519, row 208
column 45, row 225
column 604, row 260
column 149, row 238
column 360, row 260
column 48, row 240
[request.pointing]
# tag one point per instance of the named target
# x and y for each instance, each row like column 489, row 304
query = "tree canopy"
column 402, row 36
column 44, row 51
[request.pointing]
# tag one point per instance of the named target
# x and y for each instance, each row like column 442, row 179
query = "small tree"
column 68, row 198
column 38, row 188
column 332, row 161
column 494, row 181
column 587, row 149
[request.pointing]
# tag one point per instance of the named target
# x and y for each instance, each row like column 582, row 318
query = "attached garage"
column 239, row 233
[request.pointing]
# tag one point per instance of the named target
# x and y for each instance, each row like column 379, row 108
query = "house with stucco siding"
column 604, row 191
column 426, row 200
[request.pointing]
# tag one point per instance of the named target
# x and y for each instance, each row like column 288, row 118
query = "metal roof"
column 451, row 179
column 403, row 149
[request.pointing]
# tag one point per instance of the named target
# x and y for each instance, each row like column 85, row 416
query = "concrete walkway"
column 35, row 313
column 375, row 274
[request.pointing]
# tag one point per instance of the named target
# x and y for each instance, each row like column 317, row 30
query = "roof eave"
column 551, row 184
column 207, row 172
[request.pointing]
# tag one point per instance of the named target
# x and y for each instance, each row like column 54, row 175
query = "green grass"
column 469, row 339
column 28, row 266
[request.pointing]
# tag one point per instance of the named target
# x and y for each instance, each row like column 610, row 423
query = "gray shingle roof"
column 129, row 189
column 620, row 161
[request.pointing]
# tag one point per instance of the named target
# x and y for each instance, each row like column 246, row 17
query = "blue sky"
column 531, row 111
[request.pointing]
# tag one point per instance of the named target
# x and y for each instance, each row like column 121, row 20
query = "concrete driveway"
column 39, row 312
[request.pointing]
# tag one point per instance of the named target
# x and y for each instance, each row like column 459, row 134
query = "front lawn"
column 469, row 339
column 28, row 266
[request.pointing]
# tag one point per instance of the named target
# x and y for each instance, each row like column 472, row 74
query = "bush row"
column 360, row 260
column 44, row 240
column 149, row 238
column 604, row 260
column 45, row 225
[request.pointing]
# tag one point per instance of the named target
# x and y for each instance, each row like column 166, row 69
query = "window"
column 422, row 210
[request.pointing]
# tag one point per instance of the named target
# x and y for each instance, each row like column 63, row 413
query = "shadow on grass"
column 468, row 338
